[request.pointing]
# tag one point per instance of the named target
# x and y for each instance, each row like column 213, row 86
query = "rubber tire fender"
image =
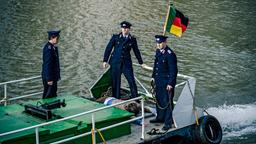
column 209, row 130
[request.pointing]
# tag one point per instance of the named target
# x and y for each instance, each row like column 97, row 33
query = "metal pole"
column 5, row 94
column 166, row 18
column 37, row 135
column 102, row 129
column 93, row 130
column 143, row 120
column 142, row 86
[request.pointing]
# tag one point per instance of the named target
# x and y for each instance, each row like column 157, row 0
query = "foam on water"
column 236, row 120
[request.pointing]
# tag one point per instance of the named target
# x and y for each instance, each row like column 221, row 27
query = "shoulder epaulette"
column 49, row 47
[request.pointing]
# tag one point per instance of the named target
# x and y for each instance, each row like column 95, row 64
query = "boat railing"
column 5, row 98
column 92, row 112
column 147, row 93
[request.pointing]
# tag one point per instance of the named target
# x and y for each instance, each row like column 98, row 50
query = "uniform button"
column 156, row 68
column 157, row 63
column 156, row 73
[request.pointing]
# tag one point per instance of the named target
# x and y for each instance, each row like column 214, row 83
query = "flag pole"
column 166, row 18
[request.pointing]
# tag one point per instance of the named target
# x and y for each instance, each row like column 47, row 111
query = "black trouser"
column 116, row 72
column 164, row 105
column 49, row 90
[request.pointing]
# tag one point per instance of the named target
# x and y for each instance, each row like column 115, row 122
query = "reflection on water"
column 218, row 47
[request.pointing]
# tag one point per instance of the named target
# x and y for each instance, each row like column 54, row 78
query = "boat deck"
column 114, row 123
column 13, row 117
column 135, row 136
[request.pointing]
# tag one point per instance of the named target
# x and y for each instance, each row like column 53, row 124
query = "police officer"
column 51, row 66
column 164, row 75
column 120, row 59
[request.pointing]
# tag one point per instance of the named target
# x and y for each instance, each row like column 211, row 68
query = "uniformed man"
column 51, row 66
column 164, row 75
column 120, row 59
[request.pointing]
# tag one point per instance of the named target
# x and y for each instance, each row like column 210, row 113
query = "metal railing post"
column 143, row 120
column 5, row 99
column 142, row 86
column 5, row 95
column 93, row 130
column 37, row 135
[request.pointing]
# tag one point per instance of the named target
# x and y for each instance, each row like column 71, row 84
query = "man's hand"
column 50, row 82
column 169, row 88
column 143, row 65
column 104, row 65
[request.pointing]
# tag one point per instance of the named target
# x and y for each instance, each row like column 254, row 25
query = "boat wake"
column 236, row 120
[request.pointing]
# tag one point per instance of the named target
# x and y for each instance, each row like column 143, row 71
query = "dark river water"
column 218, row 48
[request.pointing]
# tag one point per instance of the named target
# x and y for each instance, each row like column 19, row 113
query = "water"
column 238, row 122
column 218, row 48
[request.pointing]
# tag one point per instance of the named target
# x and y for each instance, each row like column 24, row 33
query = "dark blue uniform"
column 50, row 70
column 164, row 73
column 120, row 62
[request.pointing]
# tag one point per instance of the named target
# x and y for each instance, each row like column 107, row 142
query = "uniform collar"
column 160, row 52
column 163, row 50
column 52, row 46
column 121, row 35
column 50, row 43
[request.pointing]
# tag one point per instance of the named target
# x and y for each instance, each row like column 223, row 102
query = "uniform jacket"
column 165, row 68
column 122, row 47
column 51, row 66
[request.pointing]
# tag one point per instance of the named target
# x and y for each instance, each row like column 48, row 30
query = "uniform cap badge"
column 125, row 24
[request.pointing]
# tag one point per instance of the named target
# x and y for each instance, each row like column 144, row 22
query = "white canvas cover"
column 184, row 110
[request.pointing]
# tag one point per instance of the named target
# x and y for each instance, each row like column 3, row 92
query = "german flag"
column 176, row 23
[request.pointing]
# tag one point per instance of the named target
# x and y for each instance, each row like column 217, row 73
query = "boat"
column 75, row 119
